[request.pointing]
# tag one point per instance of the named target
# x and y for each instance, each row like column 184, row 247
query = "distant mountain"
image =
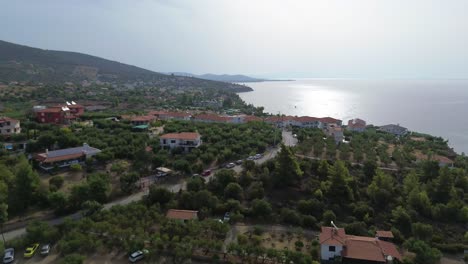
column 236, row 78
column 26, row 64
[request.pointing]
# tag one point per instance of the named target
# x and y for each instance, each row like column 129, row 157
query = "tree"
column 73, row 259
column 56, row 183
column 402, row 220
column 99, row 187
column 233, row 191
column 444, row 185
column 42, row 232
column 261, row 208
column 195, row 184
column 159, row 195
column 422, row 231
column 323, row 169
column 26, row 185
column 339, row 178
column 127, row 182
column 424, row 253
column 288, row 169
column 3, row 217
column 58, row 201
column 328, row 216
column 381, row 189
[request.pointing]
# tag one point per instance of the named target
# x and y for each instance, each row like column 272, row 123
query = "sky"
column 268, row 38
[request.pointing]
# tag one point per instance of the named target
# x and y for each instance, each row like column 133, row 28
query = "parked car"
column 258, row 156
column 45, row 249
column 195, row 175
column 227, row 217
column 239, row 162
column 137, row 255
column 31, row 250
column 251, row 158
column 230, row 165
column 206, row 173
column 9, row 255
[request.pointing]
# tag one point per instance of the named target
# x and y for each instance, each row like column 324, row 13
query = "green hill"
column 26, row 64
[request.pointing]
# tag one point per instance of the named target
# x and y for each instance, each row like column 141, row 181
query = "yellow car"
column 30, row 250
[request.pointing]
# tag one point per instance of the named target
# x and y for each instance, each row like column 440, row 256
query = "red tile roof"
column 181, row 214
column 384, row 234
column 212, row 117
column 142, row 118
column 332, row 236
column 50, row 110
column 170, row 114
column 7, row 119
column 359, row 247
column 306, row 119
column 328, row 120
column 249, row 118
column 364, row 250
column 181, row 136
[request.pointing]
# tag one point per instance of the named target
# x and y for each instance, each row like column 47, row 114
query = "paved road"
column 287, row 139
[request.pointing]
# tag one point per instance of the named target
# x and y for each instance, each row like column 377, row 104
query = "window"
column 164, row 141
column 173, row 141
column 331, row 248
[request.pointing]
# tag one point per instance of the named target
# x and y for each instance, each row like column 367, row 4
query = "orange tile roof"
column 384, row 234
column 364, row 250
column 50, row 110
column 359, row 247
column 7, row 119
column 328, row 120
column 181, row 214
column 142, row 118
column 212, row 117
column 181, row 136
column 332, row 236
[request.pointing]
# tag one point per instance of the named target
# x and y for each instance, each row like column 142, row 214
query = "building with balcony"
column 184, row 140
column 9, row 126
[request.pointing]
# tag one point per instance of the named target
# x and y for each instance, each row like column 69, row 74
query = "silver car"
column 45, row 249
column 9, row 255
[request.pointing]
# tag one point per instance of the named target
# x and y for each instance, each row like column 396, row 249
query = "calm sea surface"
column 436, row 107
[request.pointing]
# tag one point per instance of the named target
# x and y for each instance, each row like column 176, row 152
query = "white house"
column 335, row 131
column 9, row 126
column 185, row 140
column 334, row 242
column 331, row 241
column 356, row 125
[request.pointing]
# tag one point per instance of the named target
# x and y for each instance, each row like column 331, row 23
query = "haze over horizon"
column 266, row 38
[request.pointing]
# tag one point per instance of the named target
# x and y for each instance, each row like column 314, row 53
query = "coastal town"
column 184, row 133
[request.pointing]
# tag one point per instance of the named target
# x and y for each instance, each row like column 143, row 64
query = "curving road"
column 288, row 140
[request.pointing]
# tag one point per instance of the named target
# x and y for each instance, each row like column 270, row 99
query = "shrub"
column 55, row 183
column 76, row 167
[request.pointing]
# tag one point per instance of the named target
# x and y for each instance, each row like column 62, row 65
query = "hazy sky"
column 273, row 38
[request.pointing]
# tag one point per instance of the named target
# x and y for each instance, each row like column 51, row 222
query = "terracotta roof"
column 142, row 118
column 181, row 214
column 328, row 120
column 50, row 110
column 212, row 117
column 363, row 250
column 181, row 136
column 7, row 119
column 389, row 249
column 356, row 123
column 249, row 118
column 332, row 236
column 170, row 114
column 306, row 119
column 359, row 247
column 384, row 234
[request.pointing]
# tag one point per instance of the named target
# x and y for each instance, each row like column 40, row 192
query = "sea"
column 435, row 107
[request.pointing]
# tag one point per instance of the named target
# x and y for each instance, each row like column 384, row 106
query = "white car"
column 258, row 156
column 9, row 255
column 45, row 249
column 230, row 165
column 137, row 255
